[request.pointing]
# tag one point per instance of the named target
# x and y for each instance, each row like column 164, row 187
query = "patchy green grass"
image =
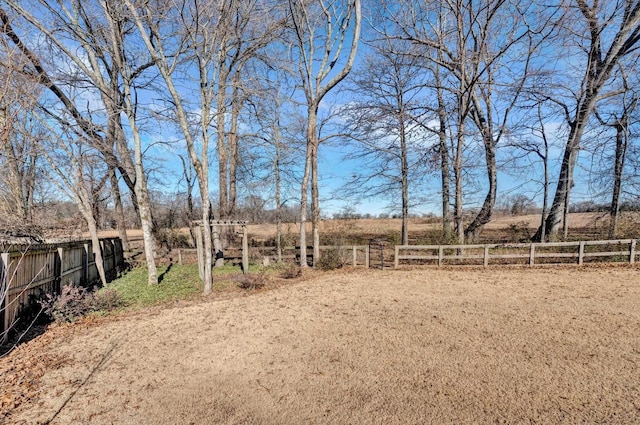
column 230, row 268
column 177, row 282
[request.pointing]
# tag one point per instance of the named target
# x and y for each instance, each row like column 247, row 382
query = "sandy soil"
column 512, row 346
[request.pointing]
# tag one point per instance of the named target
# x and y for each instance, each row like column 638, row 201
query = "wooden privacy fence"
column 28, row 272
column 620, row 250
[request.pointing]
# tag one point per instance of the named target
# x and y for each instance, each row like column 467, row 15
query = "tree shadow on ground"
column 164, row 273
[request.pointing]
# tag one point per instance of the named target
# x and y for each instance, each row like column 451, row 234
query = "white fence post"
column 245, row 250
column 396, row 260
column 486, row 256
column 532, row 254
column 581, row 253
column 367, row 256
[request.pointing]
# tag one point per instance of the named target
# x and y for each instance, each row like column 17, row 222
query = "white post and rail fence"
column 620, row 250
column 380, row 254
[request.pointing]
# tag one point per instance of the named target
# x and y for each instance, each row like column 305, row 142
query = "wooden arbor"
column 213, row 228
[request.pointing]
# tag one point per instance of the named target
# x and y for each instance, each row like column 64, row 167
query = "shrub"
column 75, row 302
column 72, row 303
column 330, row 260
column 252, row 281
column 291, row 271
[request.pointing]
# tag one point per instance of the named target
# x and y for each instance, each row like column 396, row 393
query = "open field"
column 547, row 346
column 503, row 228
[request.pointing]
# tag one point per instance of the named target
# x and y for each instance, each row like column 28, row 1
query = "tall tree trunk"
column 304, row 204
column 84, row 201
column 312, row 135
column 618, row 168
column 559, row 205
column 457, row 175
column 485, row 125
column 146, row 222
column 484, row 215
column 404, row 179
column 223, row 147
column 95, row 242
column 444, row 161
column 545, row 201
column 565, row 211
column 236, row 108
column 119, row 211
column 223, row 165
column 276, row 141
column 315, row 206
column 142, row 193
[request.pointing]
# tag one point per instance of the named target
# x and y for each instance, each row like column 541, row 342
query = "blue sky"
column 163, row 144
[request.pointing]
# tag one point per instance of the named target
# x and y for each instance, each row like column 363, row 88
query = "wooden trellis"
column 213, row 224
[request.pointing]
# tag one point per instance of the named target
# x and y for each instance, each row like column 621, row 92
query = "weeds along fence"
column 353, row 255
column 620, row 250
column 28, row 272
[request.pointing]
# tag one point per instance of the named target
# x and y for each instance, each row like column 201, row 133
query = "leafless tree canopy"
column 228, row 107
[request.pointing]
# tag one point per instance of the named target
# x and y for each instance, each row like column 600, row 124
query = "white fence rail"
column 618, row 250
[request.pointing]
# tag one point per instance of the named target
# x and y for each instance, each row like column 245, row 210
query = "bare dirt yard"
column 506, row 346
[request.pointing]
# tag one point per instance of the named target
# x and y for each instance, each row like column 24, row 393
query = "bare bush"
column 76, row 301
column 252, row 281
column 72, row 303
column 291, row 271
column 330, row 259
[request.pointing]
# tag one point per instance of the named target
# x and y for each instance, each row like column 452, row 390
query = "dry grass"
column 547, row 346
column 580, row 225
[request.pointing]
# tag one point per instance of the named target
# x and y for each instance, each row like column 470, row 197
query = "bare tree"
column 104, row 61
column 617, row 113
column 443, row 151
column 267, row 106
column 166, row 46
column 246, row 28
column 204, row 43
column 538, row 144
column 605, row 33
column 74, row 164
column 389, row 144
column 19, row 138
column 475, row 43
column 320, row 30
